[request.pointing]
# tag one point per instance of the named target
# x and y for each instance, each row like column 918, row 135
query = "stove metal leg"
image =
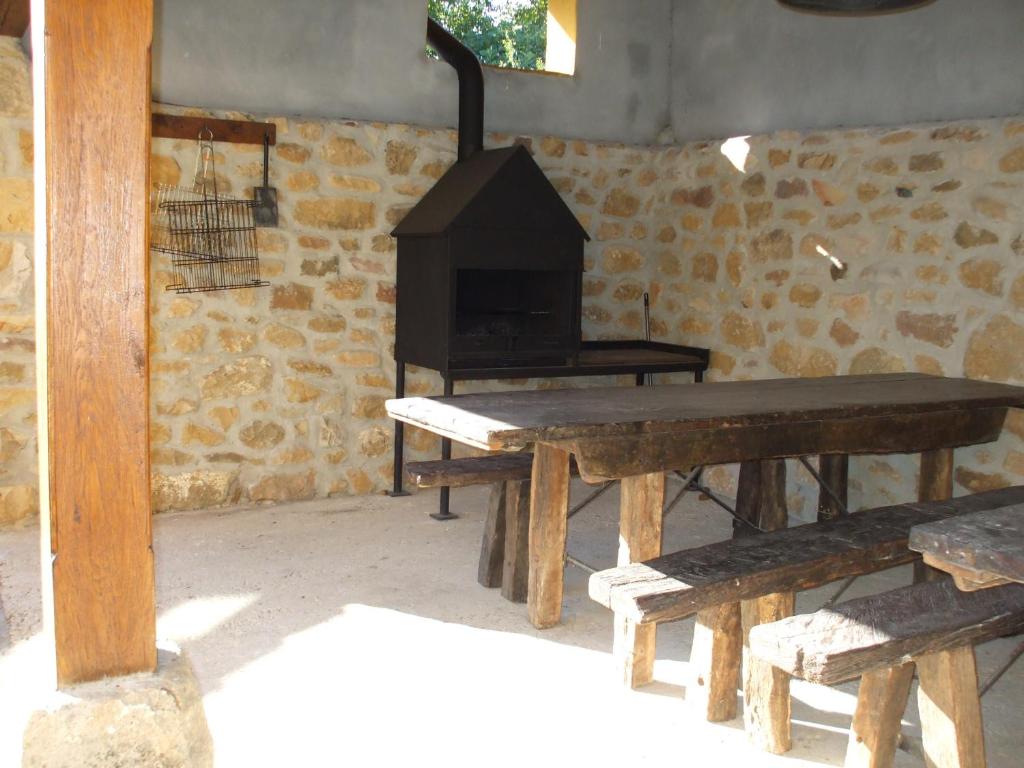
column 399, row 447
column 443, row 512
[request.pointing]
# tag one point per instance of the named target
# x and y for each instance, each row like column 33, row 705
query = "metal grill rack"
column 211, row 239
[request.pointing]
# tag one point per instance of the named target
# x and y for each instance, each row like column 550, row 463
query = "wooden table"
column 985, row 549
column 637, row 434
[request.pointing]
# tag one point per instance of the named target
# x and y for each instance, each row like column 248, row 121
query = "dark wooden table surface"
column 637, row 434
column 981, row 550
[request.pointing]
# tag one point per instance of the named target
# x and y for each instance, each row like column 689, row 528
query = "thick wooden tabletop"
column 505, row 420
column 982, row 549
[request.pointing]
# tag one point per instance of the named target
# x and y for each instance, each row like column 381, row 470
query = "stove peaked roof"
column 492, row 189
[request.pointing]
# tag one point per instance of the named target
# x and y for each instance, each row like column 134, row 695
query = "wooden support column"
column 935, row 483
column 549, row 522
column 947, row 699
column 875, row 732
column 834, row 469
column 766, row 704
column 93, row 287
column 643, row 497
column 515, row 574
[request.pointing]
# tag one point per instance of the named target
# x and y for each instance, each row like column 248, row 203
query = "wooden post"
column 515, row 574
column 947, row 699
column 92, row 259
column 549, row 511
column 766, row 704
column 875, row 732
column 935, row 483
column 834, row 469
column 716, row 654
column 716, row 657
column 643, row 497
column 492, row 545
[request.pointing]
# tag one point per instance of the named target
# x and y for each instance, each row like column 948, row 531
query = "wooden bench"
column 879, row 639
column 734, row 585
column 504, row 552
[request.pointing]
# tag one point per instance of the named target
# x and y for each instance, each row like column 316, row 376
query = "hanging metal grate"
column 211, row 239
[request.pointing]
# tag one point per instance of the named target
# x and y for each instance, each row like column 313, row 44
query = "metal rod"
column 707, row 492
column 444, row 502
column 590, row 498
column 676, row 500
column 1003, row 669
column 824, row 485
column 839, row 592
column 579, row 563
column 399, row 447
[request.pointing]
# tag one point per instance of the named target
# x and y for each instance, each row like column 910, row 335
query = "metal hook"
column 205, row 129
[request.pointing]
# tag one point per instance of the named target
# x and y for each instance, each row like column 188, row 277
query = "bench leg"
column 515, row 573
column 643, row 497
column 549, row 518
column 875, row 732
column 947, row 698
column 935, row 483
column 492, row 548
column 766, row 703
column 716, row 658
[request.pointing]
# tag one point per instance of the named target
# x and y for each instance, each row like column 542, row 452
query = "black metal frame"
column 696, row 362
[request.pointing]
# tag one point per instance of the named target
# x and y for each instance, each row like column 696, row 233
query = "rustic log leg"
column 935, row 483
column 834, row 471
column 947, row 698
column 549, row 510
column 766, row 705
column 716, row 658
column 515, row 574
column 875, row 732
column 492, row 548
column 643, row 497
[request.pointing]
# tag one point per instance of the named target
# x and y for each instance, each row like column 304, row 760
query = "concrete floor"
column 353, row 632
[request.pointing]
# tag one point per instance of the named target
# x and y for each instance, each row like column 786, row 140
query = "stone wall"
column 277, row 393
column 927, row 221
column 264, row 395
column 18, row 484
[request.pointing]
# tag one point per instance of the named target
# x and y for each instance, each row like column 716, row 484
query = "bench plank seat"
column 474, row 470
column 886, row 630
column 678, row 585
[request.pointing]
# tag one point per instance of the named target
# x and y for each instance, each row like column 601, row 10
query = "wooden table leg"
column 935, row 483
column 834, row 469
column 716, row 654
column 766, row 704
column 549, row 510
column 515, row 574
column 875, row 732
column 947, row 699
column 492, row 547
column 643, row 497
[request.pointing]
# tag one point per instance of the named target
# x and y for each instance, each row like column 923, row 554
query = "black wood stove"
column 490, row 272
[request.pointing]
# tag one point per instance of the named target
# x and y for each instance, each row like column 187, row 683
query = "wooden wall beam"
column 232, row 131
column 96, row 134
column 13, row 17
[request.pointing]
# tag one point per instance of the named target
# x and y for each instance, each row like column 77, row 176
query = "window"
column 537, row 35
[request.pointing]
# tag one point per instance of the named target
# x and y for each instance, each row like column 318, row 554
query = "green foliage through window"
column 503, row 33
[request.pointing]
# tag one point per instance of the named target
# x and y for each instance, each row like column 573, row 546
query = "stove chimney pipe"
column 471, row 87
